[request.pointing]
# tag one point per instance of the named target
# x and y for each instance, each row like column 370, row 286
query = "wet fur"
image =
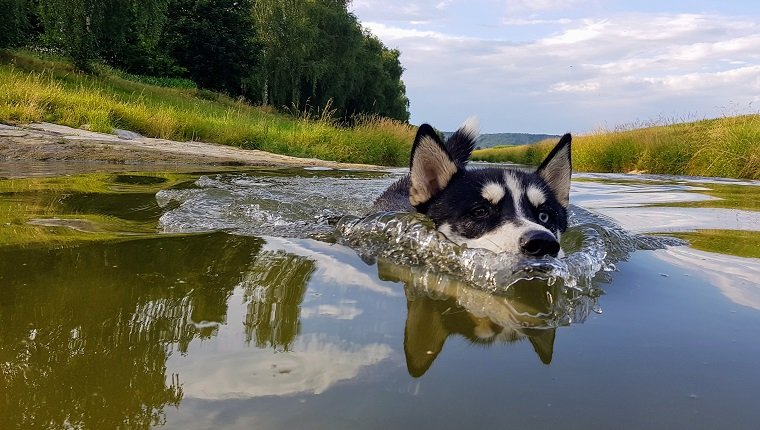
column 504, row 210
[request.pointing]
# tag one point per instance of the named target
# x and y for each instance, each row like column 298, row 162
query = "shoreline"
column 47, row 142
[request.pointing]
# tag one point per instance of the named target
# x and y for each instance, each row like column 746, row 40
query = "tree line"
column 293, row 54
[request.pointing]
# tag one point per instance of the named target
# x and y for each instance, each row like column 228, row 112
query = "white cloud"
column 314, row 365
column 543, row 5
column 578, row 87
column 736, row 277
column 534, row 21
column 339, row 312
column 548, row 73
column 333, row 264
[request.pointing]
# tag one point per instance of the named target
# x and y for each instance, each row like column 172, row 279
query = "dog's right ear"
column 430, row 167
column 557, row 168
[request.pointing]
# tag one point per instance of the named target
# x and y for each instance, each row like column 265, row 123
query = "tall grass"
column 721, row 147
column 33, row 88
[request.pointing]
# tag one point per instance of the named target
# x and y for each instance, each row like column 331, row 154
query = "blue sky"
column 552, row 66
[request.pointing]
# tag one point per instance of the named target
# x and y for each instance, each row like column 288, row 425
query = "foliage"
column 294, row 55
column 330, row 60
column 14, row 25
column 35, row 89
column 117, row 31
column 213, row 41
column 725, row 147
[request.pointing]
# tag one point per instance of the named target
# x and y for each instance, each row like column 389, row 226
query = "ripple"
column 331, row 208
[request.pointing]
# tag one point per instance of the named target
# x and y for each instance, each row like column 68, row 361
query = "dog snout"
column 539, row 243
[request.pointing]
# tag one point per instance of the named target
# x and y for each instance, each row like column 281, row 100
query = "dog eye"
column 543, row 217
column 479, row 212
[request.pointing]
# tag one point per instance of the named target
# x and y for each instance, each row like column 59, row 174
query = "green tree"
column 14, row 24
column 316, row 54
column 213, row 41
column 109, row 29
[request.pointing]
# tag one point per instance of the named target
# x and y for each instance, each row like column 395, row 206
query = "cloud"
column 314, row 365
column 736, row 277
column 336, row 265
column 543, row 5
column 546, row 73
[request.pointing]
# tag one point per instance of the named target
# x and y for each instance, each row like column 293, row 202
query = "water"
column 265, row 299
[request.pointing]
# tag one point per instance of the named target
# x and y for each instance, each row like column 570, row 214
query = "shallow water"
column 262, row 299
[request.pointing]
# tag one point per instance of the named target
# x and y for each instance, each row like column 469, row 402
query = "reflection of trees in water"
column 87, row 330
column 274, row 289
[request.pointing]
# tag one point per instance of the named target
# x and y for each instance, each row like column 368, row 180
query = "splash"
column 593, row 244
column 272, row 203
column 307, row 204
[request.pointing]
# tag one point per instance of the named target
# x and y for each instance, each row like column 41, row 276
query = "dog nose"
column 539, row 243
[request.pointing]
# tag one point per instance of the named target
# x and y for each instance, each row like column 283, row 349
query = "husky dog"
column 503, row 210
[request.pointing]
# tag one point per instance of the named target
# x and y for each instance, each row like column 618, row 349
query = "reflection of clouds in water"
column 595, row 195
column 623, row 203
column 333, row 264
column 339, row 312
column 313, row 366
column 737, row 278
column 652, row 220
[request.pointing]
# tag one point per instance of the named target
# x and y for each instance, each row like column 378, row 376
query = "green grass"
column 732, row 242
column 722, row 147
column 37, row 88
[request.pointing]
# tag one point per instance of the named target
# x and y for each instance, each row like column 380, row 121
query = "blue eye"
column 543, row 217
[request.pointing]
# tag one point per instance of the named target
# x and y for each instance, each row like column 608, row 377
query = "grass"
column 36, row 88
column 732, row 242
column 722, row 147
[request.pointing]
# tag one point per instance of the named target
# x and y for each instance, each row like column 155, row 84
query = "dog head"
column 503, row 210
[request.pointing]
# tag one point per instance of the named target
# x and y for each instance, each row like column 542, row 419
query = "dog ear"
column 461, row 144
column 557, row 168
column 431, row 166
column 424, row 335
column 543, row 343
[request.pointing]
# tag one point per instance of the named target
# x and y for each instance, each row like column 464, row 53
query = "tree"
column 90, row 29
column 14, row 23
column 316, row 53
column 213, row 41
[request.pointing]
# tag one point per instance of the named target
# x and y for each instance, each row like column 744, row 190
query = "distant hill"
column 489, row 140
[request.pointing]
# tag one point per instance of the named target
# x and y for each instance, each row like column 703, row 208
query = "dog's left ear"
column 557, row 168
column 431, row 166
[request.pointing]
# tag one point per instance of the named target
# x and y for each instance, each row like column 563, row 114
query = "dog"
column 510, row 210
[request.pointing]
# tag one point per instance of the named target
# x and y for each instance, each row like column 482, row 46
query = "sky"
column 555, row 66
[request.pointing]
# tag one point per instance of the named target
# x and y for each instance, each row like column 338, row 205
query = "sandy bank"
column 51, row 142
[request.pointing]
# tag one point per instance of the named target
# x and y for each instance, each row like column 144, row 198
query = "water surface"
column 248, row 299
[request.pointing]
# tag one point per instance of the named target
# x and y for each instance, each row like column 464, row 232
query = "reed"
column 721, row 147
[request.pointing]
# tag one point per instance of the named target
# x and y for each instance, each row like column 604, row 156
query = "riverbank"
column 37, row 89
column 723, row 147
column 52, row 142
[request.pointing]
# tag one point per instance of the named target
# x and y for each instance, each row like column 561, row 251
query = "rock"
column 126, row 134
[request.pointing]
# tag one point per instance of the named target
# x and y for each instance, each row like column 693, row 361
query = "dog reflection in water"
column 439, row 306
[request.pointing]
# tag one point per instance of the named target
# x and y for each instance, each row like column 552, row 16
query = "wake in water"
column 303, row 206
column 592, row 243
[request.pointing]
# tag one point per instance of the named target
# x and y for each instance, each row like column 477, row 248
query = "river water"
column 265, row 298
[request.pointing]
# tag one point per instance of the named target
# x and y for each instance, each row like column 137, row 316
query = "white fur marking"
column 505, row 238
column 536, row 196
column 493, row 192
column 470, row 127
column 516, row 189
